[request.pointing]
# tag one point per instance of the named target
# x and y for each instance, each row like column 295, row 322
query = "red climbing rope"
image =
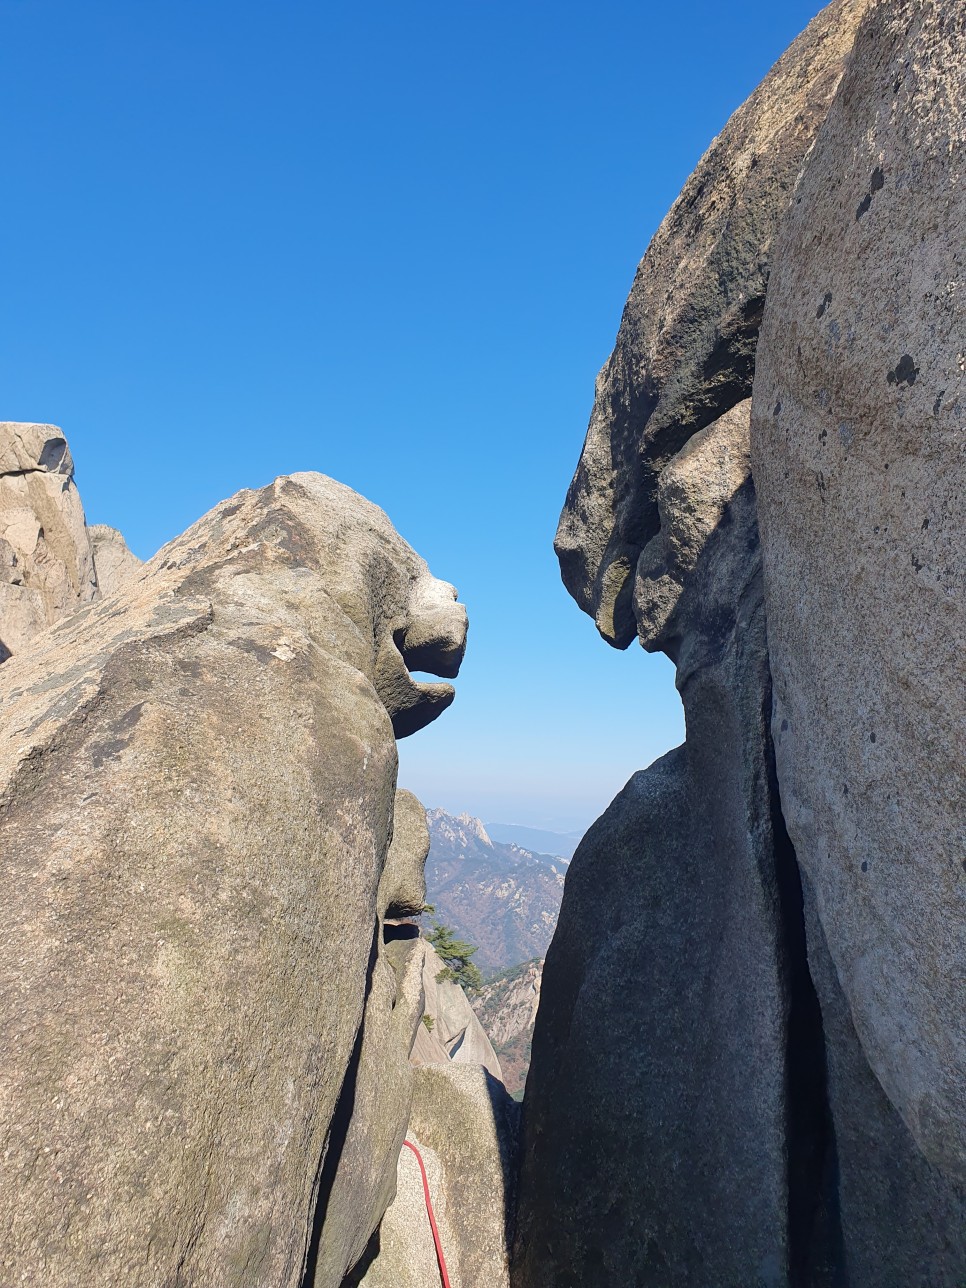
column 432, row 1219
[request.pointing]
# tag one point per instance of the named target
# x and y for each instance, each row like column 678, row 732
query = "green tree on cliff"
column 455, row 954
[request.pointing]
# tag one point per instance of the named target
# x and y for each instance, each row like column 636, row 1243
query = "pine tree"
column 455, row 954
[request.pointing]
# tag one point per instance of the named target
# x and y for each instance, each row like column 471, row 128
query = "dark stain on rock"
column 823, row 307
column 112, row 747
column 130, row 718
column 939, row 402
column 263, row 654
column 905, row 371
column 876, row 184
column 784, row 726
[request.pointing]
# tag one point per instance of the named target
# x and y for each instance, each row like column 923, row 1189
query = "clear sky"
column 387, row 241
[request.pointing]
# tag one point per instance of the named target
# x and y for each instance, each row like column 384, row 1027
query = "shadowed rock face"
column 661, row 1084
column 197, row 787
column 859, row 460
column 721, row 1062
column 685, row 349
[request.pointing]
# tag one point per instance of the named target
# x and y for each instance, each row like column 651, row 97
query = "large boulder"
column 685, row 351
column 859, row 463
column 197, row 784
column 46, row 562
column 667, row 1057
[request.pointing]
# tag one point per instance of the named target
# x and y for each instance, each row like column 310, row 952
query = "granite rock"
column 685, row 350
column 197, row 783
column 113, row 561
column 46, row 563
column 452, row 1030
column 860, row 467
column 464, row 1125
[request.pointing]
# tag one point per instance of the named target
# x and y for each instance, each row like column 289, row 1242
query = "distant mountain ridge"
column 499, row 896
column 537, row 839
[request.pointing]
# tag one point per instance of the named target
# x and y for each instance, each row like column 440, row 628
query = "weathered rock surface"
column 859, row 458
column 358, row 1177
column 900, row 1220
column 779, row 1095
column 668, row 1136
column 685, row 349
column 452, row 1030
column 46, row 563
column 464, row 1125
column 402, row 890
column 197, row 781
column 113, row 562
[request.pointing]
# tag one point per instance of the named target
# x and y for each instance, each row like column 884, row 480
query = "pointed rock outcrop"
column 46, row 561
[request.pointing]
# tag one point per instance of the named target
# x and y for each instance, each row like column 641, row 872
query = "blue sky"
column 386, row 241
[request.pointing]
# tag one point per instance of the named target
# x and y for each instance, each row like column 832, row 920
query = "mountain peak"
column 458, row 827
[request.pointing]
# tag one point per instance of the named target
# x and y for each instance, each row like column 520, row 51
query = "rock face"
column 859, row 458
column 507, row 1007
column 859, row 461
column 747, row 1063
column 661, row 1082
column 112, row 559
column 402, row 890
column 686, row 345
column 46, row 562
column 450, row 1028
column 464, row 1125
column 196, row 799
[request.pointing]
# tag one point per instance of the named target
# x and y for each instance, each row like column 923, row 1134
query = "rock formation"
column 450, row 1029
column 113, row 561
column 197, row 786
column 859, row 463
column 735, row 1082
column 465, row 1127
column 46, row 562
column 686, row 345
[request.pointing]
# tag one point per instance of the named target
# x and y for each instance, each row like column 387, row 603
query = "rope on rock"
column 432, row 1217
